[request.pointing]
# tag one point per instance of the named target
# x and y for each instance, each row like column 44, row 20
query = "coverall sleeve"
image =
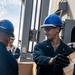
column 39, row 56
column 17, row 53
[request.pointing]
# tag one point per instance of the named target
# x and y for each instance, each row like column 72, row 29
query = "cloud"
column 4, row 2
column 8, row 6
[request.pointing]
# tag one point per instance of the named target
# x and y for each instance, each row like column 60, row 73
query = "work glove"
column 60, row 61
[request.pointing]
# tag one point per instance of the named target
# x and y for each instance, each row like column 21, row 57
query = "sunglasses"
column 49, row 28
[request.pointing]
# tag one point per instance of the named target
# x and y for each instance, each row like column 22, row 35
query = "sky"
column 10, row 9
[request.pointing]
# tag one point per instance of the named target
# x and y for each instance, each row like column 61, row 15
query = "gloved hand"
column 60, row 61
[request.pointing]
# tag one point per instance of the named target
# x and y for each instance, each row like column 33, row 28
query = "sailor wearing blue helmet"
column 51, row 54
column 8, row 64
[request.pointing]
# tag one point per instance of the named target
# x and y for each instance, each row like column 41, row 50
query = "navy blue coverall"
column 16, row 53
column 74, row 70
column 43, row 53
column 8, row 64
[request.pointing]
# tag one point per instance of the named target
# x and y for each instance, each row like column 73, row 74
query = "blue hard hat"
column 52, row 20
column 7, row 27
